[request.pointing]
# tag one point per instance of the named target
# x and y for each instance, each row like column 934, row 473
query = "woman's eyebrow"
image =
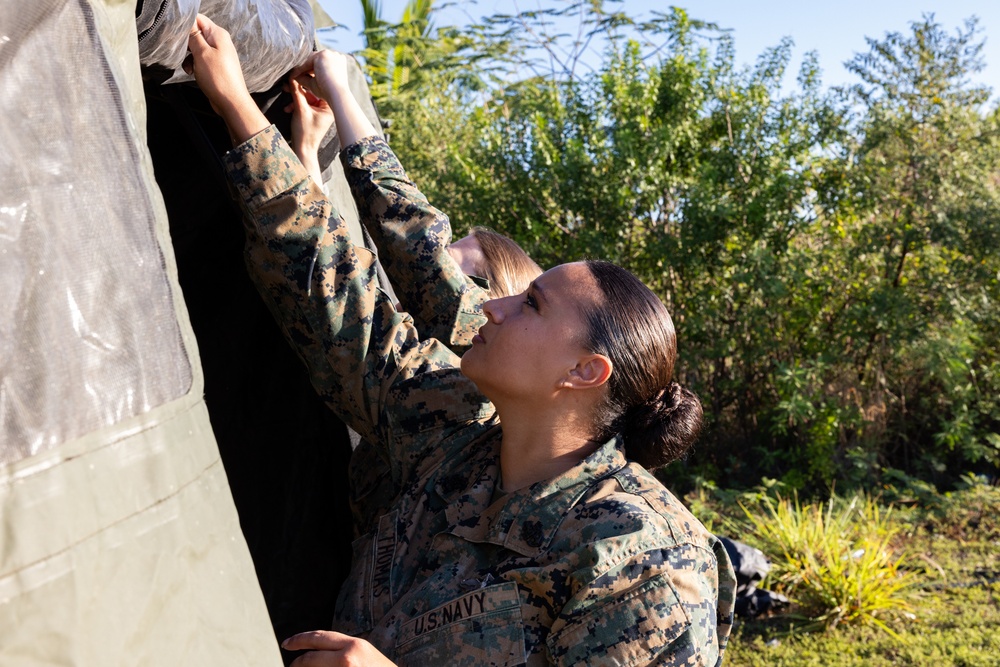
column 537, row 289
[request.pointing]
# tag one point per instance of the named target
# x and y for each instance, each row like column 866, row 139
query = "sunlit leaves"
column 830, row 257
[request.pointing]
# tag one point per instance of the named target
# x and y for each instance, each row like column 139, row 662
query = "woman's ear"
column 591, row 372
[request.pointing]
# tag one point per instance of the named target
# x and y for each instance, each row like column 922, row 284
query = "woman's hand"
column 311, row 120
column 216, row 67
column 333, row 649
column 324, row 74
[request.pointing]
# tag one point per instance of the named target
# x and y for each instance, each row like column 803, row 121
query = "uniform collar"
column 523, row 521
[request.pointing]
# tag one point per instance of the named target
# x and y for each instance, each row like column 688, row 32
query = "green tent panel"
column 119, row 540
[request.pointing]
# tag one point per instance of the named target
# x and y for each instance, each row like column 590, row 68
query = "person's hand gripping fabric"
column 325, row 74
column 216, row 68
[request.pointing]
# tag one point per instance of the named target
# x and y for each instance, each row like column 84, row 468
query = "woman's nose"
column 496, row 309
column 491, row 311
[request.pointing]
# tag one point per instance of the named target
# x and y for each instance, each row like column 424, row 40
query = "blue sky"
column 835, row 29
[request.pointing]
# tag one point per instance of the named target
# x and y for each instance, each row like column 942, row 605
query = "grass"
column 953, row 627
column 836, row 561
column 950, row 549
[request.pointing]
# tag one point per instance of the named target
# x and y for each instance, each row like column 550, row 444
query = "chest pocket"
column 483, row 627
column 367, row 594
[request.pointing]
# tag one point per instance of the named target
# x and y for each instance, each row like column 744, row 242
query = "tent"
column 141, row 390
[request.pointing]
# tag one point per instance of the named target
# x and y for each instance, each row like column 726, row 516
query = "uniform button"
column 532, row 531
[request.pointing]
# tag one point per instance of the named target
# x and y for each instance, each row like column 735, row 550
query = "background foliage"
column 829, row 256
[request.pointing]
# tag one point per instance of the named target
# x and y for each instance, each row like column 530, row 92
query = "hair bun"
column 666, row 400
column 671, row 419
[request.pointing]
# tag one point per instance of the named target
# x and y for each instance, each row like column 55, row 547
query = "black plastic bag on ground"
column 751, row 566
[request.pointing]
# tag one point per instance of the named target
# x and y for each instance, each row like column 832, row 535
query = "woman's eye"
column 530, row 302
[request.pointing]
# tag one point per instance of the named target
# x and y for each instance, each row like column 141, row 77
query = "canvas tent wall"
column 285, row 453
column 119, row 542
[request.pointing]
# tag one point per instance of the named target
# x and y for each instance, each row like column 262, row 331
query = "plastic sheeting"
column 119, row 541
column 271, row 36
column 88, row 336
column 163, row 27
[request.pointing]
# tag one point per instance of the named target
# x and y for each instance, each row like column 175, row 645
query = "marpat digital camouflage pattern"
column 412, row 238
column 601, row 565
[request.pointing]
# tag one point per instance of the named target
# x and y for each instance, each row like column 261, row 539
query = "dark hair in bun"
column 658, row 419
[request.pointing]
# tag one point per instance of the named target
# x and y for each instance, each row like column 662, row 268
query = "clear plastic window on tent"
column 88, row 332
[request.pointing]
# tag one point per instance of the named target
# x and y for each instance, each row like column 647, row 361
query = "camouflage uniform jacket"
column 412, row 239
column 599, row 565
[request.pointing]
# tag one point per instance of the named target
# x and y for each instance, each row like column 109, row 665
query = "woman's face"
column 532, row 340
column 469, row 255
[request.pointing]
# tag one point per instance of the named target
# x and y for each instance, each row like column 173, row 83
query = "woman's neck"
column 539, row 448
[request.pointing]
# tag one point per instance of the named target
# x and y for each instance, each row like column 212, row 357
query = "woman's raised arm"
column 411, row 235
column 364, row 358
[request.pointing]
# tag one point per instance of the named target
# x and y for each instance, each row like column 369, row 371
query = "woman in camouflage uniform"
column 523, row 530
column 442, row 285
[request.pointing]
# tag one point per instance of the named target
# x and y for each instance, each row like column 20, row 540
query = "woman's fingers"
column 196, row 40
column 306, row 67
column 310, row 97
column 323, row 640
column 204, row 35
column 196, row 45
column 211, row 42
column 323, row 74
column 308, row 81
column 321, row 659
column 299, row 102
column 326, row 648
column 333, row 649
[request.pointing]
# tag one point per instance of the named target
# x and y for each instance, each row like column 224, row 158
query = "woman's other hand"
column 216, row 65
column 333, row 649
column 216, row 68
column 311, row 120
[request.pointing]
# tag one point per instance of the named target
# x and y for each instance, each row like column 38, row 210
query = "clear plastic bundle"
column 271, row 36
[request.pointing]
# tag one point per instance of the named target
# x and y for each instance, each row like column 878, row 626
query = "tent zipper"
column 156, row 20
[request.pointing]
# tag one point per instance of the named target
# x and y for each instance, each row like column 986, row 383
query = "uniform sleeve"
column 659, row 607
column 364, row 359
column 412, row 238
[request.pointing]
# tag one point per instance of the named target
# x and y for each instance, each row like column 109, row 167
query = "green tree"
column 394, row 52
column 922, row 220
column 697, row 177
column 830, row 258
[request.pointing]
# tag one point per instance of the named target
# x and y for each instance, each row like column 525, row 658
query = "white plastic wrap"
column 271, row 36
column 163, row 27
column 88, row 335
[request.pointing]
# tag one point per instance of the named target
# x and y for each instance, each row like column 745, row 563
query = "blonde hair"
column 506, row 265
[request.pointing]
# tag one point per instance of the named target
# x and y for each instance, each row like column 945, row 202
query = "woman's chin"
column 467, row 366
column 470, row 369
